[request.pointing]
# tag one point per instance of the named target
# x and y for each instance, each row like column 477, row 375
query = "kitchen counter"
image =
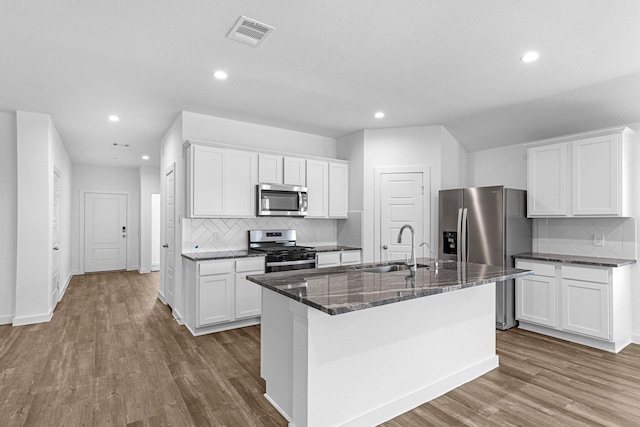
column 352, row 289
column 388, row 351
column 205, row 256
column 334, row 248
column 576, row 259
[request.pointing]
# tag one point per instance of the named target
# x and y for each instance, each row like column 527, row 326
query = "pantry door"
column 401, row 200
column 105, row 232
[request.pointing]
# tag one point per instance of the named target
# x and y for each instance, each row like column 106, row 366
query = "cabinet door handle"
column 385, row 247
column 165, row 245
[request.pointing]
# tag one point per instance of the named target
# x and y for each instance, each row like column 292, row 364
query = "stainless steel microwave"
column 282, row 200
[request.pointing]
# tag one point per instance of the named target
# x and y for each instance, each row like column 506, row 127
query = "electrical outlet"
column 316, row 234
column 215, row 236
column 598, row 240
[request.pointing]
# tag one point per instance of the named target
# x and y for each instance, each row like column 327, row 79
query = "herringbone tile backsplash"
column 574, row 236
column 203, row 235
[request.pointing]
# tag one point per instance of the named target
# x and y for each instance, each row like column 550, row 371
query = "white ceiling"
column 325, row 69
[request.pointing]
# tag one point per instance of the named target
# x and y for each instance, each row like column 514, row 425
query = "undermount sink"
column 388, row 267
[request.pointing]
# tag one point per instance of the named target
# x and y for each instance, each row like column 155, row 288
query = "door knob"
column 165, row 245
column 55, row 248
column 385, row 247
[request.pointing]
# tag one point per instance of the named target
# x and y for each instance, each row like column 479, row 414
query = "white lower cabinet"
column 219, row 297
column 338, row 258
column 584, row 304
column 214, row 299
column 536, row 295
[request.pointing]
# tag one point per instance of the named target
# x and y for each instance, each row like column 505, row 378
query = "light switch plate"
column 598, row 240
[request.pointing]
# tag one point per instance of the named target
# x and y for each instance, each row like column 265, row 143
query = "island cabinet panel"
column 219, row 297
column 590, row 305
column 580, row 175
column 352, row 369
column 220, row 182
column 536, row 295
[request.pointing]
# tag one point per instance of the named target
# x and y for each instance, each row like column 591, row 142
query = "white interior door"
column 105, row 232
column 401, row 202
column 170, row 233
column 56, row 287
column 155, row 232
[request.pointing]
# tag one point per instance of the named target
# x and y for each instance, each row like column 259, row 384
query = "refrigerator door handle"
column 459, row 236
column 464, row 249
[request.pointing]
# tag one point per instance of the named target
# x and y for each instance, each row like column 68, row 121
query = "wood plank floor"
column 113, row 355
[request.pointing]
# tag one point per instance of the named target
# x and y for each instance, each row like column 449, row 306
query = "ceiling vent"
column 249, row 31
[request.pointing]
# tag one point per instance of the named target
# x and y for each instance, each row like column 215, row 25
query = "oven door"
column 281, row 200
column 303, row 264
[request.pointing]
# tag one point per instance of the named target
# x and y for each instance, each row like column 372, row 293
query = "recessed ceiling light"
column 114, row 118
column 530, row 57
column 379, row 115
column 145, row 157
column 220, row 75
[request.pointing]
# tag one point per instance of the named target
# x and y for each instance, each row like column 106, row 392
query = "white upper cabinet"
column 338, row 190
column 270, row 170
column 580, row 175
column 295, row 171
column 274, row 169
column 597, row 184
column 547, row 180
column 317, row 189
column 221, row 182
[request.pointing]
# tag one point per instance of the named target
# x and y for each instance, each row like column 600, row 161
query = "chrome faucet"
column 435, row 258
column 412, row 266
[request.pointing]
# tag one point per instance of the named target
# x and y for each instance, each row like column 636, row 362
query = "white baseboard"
column 6, row 320
column 155, row 268
column 77, row 273
column 223, row 327
column 635, row 338
column 161, row 298
column 613, row 347
column 144, row 271
column 177, row 316
column 417, row 398
column 30, row 320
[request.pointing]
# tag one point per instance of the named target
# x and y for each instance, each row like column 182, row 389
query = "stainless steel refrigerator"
column 486, row 225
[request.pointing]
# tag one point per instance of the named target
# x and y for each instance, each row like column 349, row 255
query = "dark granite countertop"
column 334, row 248
column 575, row 259
column 338, row 290
column 206, row 256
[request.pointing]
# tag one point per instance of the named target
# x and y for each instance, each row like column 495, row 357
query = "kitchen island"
column 351, row 346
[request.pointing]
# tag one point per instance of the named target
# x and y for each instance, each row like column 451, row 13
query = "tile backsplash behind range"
column 230, row 234
column 575, row 236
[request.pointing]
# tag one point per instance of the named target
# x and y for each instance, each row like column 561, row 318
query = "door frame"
column 82, row 225
column 426, row 203
column 163, row 232
column 56, row 292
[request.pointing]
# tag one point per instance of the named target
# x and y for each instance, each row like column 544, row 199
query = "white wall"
column 62, row 163
column 225, row 131
column 499, row 166
column 149, row 184
column 8, row 219
column 171, row 155
column 108, row 180
column 430, row 146
column 455, row 162
column 39, row 150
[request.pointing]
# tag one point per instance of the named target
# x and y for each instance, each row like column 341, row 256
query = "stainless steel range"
column 282, row 252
